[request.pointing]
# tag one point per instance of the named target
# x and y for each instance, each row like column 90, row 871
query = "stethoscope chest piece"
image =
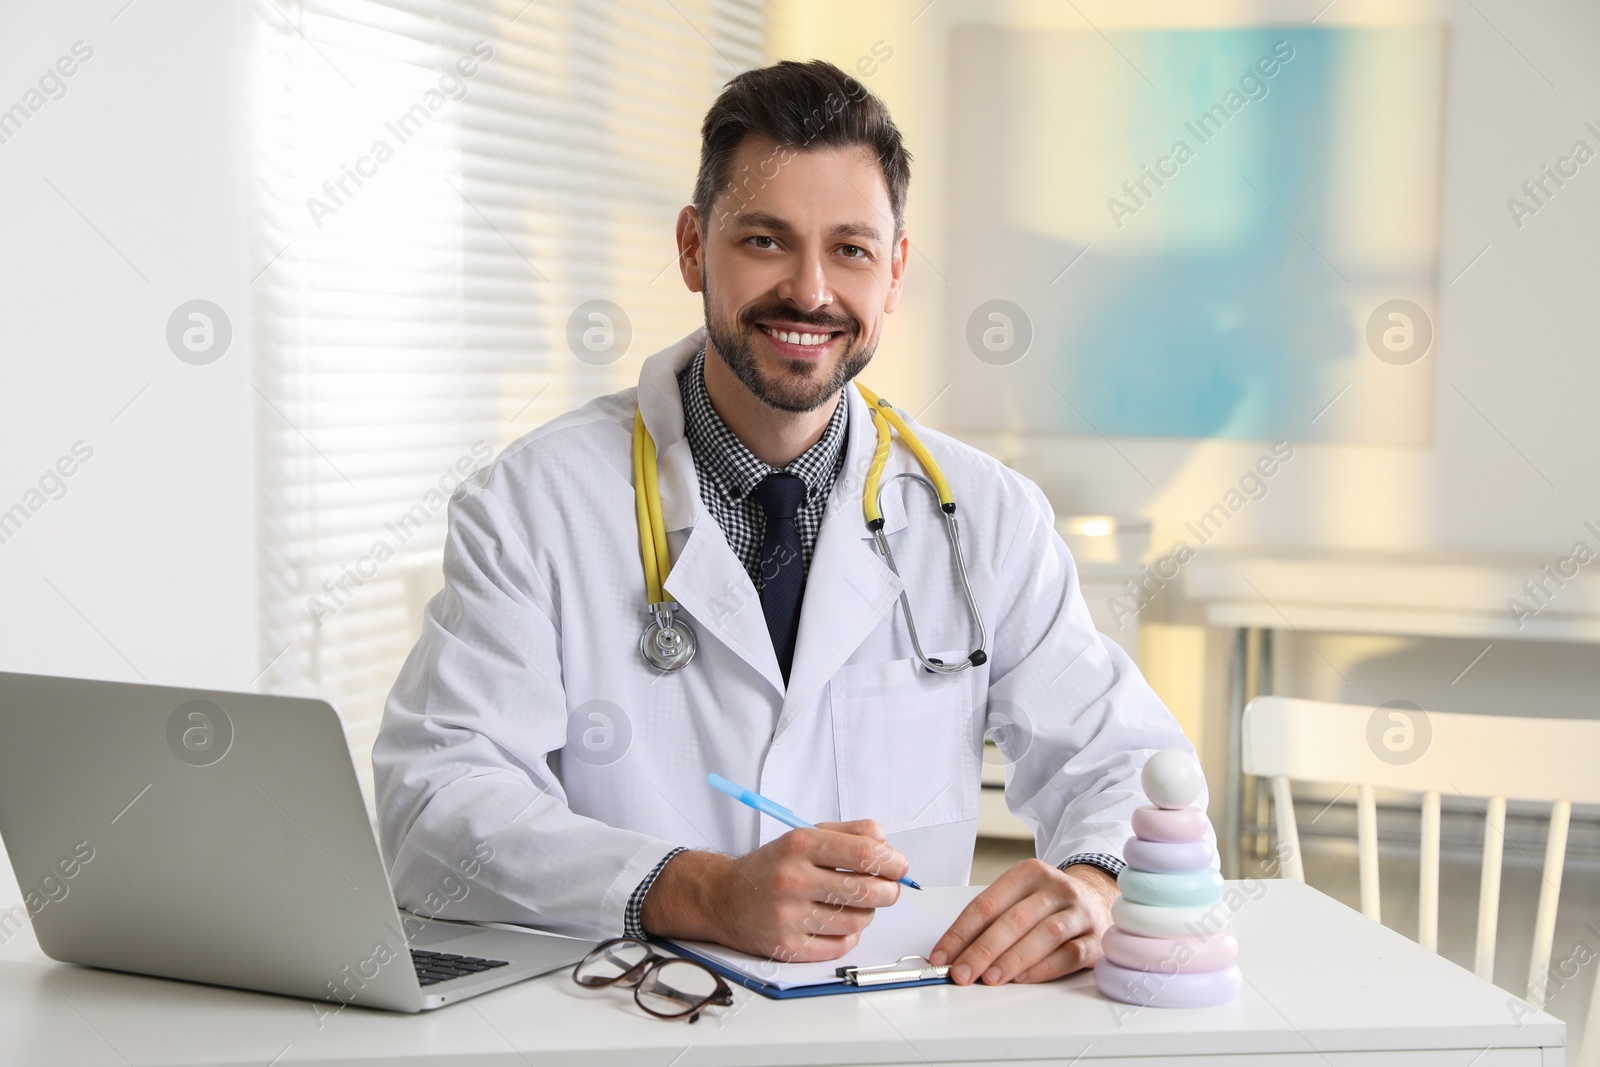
column 666, row 644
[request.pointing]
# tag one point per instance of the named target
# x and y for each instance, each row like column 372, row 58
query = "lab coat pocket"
column 904, row 745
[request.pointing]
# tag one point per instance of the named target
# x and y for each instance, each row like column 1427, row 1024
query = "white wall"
column 146, row 565
column 1515, row 333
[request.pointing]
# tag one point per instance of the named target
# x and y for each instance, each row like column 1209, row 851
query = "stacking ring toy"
column 1169, row 955
column 1200, row 990
column 1184, row 889
column 1166, row 856
column 1147, row 920
column 1170, row 824
column 1172, row 778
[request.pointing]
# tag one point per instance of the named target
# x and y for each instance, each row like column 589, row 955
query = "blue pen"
column 776, row 810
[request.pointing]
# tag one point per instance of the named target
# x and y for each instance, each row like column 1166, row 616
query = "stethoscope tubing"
column 953, row 533
column 668, row 644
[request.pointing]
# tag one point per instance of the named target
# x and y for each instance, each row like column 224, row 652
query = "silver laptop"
column 221, row 838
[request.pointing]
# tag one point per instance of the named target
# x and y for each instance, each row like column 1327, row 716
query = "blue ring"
column 1190, row 889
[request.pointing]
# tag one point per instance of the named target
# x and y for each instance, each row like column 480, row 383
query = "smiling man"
column 526, row 716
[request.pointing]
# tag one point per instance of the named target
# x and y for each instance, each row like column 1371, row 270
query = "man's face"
column 797, row 266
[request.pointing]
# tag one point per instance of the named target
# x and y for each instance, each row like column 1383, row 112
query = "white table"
column 1325, row 985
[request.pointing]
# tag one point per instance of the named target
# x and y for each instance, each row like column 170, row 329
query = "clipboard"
column 889, row 955
column 897, row 975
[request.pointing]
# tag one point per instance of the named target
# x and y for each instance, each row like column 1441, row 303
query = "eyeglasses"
column 664, row 986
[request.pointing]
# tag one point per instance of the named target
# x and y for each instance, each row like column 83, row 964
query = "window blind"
column 439, row 186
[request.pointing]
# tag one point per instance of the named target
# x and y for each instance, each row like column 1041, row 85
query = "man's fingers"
column 1074, row 956
column 1023, row 928
column 853, row 852
column 832, row 920
column 859, row 827
column 798, row 947
column 976, row 917
column 976, row 960
column 823, row 865
column 1056, row 929
column 847, row 889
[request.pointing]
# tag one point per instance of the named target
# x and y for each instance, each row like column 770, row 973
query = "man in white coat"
column 525, row 718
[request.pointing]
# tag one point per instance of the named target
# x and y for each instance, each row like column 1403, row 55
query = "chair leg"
column 1288, row 829
column 1544, row 924
column 1367, row 842
column 1428, row 877
column 1494, row 839
column 1589, row 1051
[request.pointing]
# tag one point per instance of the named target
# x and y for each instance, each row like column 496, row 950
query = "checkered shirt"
column 728, row 471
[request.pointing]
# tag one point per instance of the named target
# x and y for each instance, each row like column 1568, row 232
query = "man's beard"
column 792, row 393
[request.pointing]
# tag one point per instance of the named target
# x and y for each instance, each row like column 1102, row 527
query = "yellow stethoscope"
column 668, row 644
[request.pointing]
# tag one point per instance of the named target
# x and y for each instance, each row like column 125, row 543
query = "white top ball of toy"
column 1172, row 779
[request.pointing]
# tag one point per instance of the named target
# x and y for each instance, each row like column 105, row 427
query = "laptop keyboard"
column 436, row 967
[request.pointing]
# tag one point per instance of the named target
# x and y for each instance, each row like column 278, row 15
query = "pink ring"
column 1170, row 955
column 1201, row 990
column 1168, row 857
column 1170, row 824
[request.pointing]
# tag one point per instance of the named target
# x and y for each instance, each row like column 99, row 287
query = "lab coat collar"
column 848, row 586
column 706, row 578
column 661, row 403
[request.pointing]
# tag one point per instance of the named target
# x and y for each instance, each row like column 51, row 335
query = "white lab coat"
column 525, row 720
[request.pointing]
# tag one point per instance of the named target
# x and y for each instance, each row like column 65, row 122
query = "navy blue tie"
column 783, row 572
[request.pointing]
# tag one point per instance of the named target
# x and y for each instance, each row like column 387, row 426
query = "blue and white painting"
column 1194, row 233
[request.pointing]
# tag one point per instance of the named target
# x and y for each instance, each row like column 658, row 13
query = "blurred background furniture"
column 1493, row 758
column 1255, row 595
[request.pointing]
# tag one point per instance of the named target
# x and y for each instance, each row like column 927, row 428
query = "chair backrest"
column 1493, row 758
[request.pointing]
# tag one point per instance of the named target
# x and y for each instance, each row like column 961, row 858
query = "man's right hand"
column 803, row 897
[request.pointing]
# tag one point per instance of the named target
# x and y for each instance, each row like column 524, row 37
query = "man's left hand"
column 1035, row 923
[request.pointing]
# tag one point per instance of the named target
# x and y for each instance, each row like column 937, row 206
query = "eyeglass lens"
column 612, row 962
column 677, row 987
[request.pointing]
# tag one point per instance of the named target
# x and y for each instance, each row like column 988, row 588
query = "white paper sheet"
column 910, row 928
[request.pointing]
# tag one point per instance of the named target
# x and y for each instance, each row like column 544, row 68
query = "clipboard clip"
column 905, row 969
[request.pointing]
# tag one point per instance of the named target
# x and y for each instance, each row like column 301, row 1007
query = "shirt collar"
column 737, row 469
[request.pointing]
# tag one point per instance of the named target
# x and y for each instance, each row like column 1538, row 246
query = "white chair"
column 1495, row 757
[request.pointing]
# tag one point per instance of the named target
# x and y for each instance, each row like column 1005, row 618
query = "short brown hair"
column 799, row 106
